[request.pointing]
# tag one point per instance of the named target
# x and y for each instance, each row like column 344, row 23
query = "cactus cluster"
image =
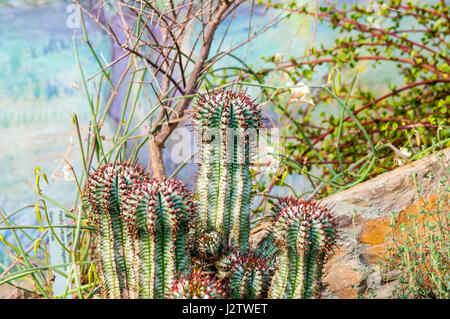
column 155, row 240
column 142, row 230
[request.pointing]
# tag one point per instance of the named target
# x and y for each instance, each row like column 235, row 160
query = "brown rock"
column 342, row 273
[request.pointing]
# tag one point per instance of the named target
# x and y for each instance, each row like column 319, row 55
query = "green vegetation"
column 420, row 251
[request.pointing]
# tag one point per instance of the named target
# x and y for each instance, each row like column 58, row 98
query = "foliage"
column 421, row 251
column 405, row 38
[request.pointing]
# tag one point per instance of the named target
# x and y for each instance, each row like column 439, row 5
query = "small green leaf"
column 38, row 213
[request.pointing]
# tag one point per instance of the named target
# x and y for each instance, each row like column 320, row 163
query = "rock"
column 364, row 215
column 343, row 268
column 11, row 292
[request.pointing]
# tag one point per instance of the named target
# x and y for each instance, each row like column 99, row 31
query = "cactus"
column 198, row 285
column 113, row 248
column 306, row 234
column 142, row 223
column 151, row 242
column 159, row 213
column 249, row 275
column 205, row 247
column 225, row 121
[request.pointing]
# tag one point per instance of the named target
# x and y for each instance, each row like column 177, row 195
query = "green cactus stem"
column 227, row 124
column 306, row 233
column 198, row 285
column 113, row 248
column 249, row 275
column 158, row 212
column 142, row 228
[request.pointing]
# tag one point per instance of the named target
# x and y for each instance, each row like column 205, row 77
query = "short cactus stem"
column 306, row 233
column 205, row 246
column 249, row 275
column 198, row 285
column 227, row 124
column 158, row 212
column 113, row 244
column 142, row 224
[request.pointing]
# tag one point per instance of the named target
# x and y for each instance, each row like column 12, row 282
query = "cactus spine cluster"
column 305, row 233
column 224, row 122
column 142, row 228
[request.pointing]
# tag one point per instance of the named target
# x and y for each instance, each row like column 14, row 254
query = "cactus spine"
column 223, row 121
column 142, row 229
column 305, row 233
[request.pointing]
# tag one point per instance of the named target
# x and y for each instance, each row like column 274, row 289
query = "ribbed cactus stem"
column 306, row 234
column 106, row 189
column 198, row 285
column 159, row 211
column 227, row 124
column 142, row 228
column 249, row 275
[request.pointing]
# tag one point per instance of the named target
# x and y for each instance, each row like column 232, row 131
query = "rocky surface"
column 364, row 215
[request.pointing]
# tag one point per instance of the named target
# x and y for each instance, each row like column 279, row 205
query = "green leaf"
column 38, row 213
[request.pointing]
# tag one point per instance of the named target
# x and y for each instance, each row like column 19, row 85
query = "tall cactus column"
column 306, row 234
column 226, row 123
